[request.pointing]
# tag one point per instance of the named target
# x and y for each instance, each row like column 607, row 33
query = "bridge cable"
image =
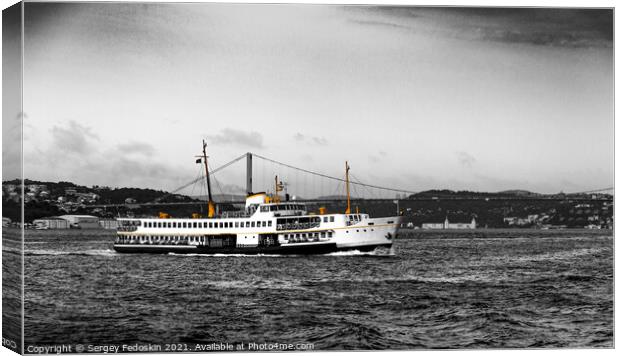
column 333, row 178
column 199, row 178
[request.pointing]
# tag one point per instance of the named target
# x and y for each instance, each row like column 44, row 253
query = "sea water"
column 482, row 289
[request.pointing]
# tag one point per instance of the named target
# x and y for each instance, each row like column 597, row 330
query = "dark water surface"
column 488, row 289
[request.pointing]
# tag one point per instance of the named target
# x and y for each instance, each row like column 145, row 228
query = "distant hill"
column 44, row 198
column 445, row 193
column 519, row 193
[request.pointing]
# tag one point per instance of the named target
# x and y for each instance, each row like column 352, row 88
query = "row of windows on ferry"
column 210, row 225
column 279, row 207
column 160, row 239
column 309, row 235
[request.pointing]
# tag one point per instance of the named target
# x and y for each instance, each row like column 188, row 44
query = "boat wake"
column 70, row 253
column 378, row 252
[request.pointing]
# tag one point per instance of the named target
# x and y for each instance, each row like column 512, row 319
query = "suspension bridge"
column 309, row 186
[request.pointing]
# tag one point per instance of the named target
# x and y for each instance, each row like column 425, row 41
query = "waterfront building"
column 82, row 221
column 52, row 222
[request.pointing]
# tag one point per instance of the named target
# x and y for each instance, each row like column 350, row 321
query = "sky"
column 414, row 98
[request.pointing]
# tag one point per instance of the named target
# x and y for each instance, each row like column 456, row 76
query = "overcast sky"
column 417, row 98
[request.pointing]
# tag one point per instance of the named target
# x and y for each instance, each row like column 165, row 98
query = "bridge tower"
column 248, row 173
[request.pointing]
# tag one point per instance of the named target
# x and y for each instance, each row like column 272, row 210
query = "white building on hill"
column 456, row 223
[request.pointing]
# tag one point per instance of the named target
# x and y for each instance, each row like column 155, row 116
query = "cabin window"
column 210, row 225
column 264, row 224
column 371, row 223
column 325, row 218
column 331, row 219
column 253, row 224
column 236, row 224
column 329, row 234
column 269, row 223
column 195, row 225
column 221, row 225
column 264, row 209
column 242, row 223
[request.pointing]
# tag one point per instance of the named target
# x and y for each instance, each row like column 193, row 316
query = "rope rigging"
column 198, row 179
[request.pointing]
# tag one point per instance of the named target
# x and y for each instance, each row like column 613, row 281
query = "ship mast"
column 346, row 166
column 279, row 186
column 211, row 204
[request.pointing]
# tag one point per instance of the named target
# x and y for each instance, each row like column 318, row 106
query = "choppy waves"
column 452, row 292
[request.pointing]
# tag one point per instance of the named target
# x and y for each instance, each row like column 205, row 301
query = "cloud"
column 75, row 138
column 380, row 23
column 465, row 159
column 379, row 158
column 312, row 140
column 321, row 141
column 555, row 27
column 236, row 137
column 141, row 148
column 113, row 169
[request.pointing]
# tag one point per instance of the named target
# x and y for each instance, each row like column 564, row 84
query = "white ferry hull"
column 316, row 249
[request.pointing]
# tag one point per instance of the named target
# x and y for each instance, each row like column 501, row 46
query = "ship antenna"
column 346, row 166
column 211, row 204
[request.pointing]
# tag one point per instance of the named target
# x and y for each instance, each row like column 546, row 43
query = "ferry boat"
column 267, row 225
